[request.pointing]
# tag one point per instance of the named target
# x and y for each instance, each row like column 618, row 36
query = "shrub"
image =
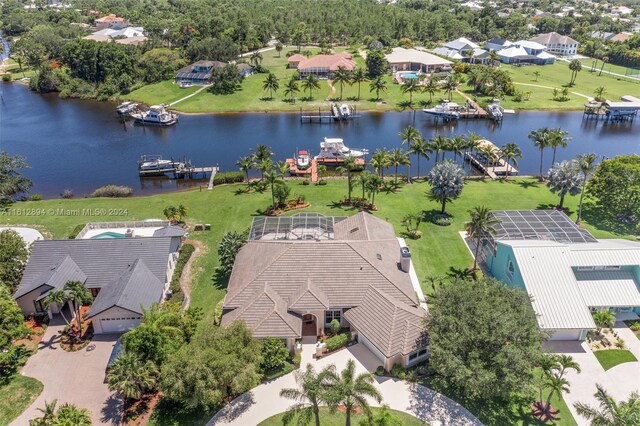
column 229, row 247
column 185, row 253
column 217, row 313
column 260, row 69
column 380, row 371
column 297, row 359
column 322, row 182
column 35, row 197
column 338, row 341
column 228, row 177
column 635, row 326
column 113, row 191
column 334, row 327
column 399, row 371
column 66, row 194
column 6, row 78
column 442, row 221
column 306, row 182
column 274, row 353
column 76, row 230
column 620, row 344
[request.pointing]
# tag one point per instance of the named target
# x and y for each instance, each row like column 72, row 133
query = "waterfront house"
column 557, row 44
column 497, row 44
column 297, row 274
column 198, row 72
column 401, row 59
column 245, row 70
column 567, row 272
column 464, row 50
column 526, row 52
column 322, row 66
column 111, row 21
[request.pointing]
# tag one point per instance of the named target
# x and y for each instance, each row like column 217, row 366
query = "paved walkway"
column 597, row 70
column 264, row 401
column 590, row 98
column 74, row 377
column 191, row 95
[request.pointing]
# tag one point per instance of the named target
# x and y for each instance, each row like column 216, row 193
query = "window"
column 413, row 356
column 611, row 268
column 333, row 315
column 510, row 269
column 585, row 268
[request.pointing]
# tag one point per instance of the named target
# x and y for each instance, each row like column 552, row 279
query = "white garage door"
column 565, row 335
column 119, row 325
column 373, row 349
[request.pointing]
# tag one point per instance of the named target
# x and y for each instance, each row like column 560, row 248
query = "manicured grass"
column 611, row 357
column 16, row 396
column 163, row 92
column 618, row 69
column 338, row 418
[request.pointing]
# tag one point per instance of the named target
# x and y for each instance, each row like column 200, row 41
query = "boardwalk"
column 492, row 168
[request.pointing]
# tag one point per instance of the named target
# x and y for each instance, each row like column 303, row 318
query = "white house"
column 558, row 44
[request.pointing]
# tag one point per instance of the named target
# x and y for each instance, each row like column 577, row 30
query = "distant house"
column 245, row 69
column 464, row 50
column 198, row 72
column 497, row 44
column 601, row 35
column 526, row 52
column 128, row 35
column 111, row 21
column 323, row 66
column 558, row 44
column 401, row 59
column 621, row 37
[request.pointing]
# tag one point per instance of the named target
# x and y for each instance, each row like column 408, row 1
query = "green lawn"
column 16, row 396
column 618, row 69
column 338, row 418
column 609, row 358
column 158, row 93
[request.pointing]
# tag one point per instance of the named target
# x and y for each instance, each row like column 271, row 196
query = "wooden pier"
column 614, row 112
column 183, row 170
column 311, row 170
column 493, row 168
column 325, row 117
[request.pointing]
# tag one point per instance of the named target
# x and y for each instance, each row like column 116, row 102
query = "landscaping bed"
column 634, row 325
column 609, row 358
column 337, row 419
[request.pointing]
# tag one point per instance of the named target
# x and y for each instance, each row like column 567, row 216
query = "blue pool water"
column 107, row 235
column 410, row 76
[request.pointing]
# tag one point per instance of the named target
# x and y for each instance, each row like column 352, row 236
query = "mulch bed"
column 356, row 410
column 289, row 208
column 139, row 413
column 543, row 414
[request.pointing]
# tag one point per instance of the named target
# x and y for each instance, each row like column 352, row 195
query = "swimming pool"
column 107, row 235
column 410, row 76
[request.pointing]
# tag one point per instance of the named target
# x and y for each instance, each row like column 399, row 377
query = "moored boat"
column 156, row 115
column 495, row 110
column 334, row 150
column 446, row 110
column 303, row 160
column 126, row 108
column 154, row 165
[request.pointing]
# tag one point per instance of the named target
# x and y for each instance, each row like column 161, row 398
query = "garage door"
column 373, row 349
column 119, row 325
column 565, row 335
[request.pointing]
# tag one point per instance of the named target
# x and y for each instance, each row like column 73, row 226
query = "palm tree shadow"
column 49, row 344
column 526, row 184
column 112, row 410
column 220, row 280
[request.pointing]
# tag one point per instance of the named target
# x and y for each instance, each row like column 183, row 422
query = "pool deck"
column 137, row 232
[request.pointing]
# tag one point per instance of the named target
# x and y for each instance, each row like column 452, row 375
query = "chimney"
column 405, row 259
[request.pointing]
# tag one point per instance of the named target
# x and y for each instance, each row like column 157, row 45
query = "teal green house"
column 566, row 271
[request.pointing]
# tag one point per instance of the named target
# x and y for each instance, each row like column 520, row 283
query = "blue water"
column 410, row 76
column 107, row 235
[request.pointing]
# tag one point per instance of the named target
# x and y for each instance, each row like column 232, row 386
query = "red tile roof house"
column 322, row 66
column 112, row 21
column 297, row 274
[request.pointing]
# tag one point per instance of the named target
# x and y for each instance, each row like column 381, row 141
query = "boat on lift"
column 334, row 150
column 156, row 115
column 154, row 165
column 126, row 108
column 446, row 110
column 495, row 110
column 303, row 160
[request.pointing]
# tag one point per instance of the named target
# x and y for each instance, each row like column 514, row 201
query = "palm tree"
column 457, row 145
column 59, row 297
column 342, row 77
column 490, row 155
column 283, row 167
column 586, row 164
column 352, row 391
column 245, row 164
column 557, row 138
column 262, row 152
column 310, row 84
column 609, row 412
column 536, row 74
column 272, row 178
column 311, row 392
column 451, row 84
column 363, row 180
column 481, row 226
column 379, row 84
column 373, row 187
column 575, row 66
column 256, row 58
column 564, row 178
column 439, row 144
column 566, row 362
column 348, row 166
column 599, row 92
column 279, row 47
column 421, row 148
column 264, row 166
column 494, row 57
column 359, row 75
column 555, row 385
column 511, row 153
column 604, row 318
column 380, row 161
column 446, row 180
column 80, row 295
column 130, row 376
column 604, row 60
column 182, row 212
column 48, row 414
column 398, row 157
column 69, row 414
column 540, row 139
column 271, row 84
column 431, row 87
column 410, row 86
column 409, row 135
column 291, row 88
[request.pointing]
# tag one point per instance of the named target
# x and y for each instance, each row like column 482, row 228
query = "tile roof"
column 134, row 289
column 55, row 277
column 363, row 226
column 400, row 55
column 391, row 326
column 297, row 58
column 332, row 62
column 110, row 18
column 309, row 296
column 553, row 38
column 461, row 43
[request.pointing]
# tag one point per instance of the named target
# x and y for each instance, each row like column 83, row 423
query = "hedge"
column 228, row 177
column 76, row 231
column 338, row 341
column 112, row 191
column 185, row 253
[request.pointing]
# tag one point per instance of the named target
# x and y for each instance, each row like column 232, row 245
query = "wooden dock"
column 325, row 117
column 295, row 171
column 213, row 176
column 494, row 168
column 182, row 170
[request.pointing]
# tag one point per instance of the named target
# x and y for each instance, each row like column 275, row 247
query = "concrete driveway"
column 74, row 377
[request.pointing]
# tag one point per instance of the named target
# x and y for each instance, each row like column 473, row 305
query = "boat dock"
column 494, row 168
column 609, row 111
column 183, row 170
column 295, row 171
column 326, row 117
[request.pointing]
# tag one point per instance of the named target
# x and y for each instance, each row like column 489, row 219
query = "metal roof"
column 608, row 288
column 301, row 226
column 551, row 225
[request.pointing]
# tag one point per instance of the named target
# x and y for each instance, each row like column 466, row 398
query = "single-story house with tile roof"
column 323, row 66
column 558, row 44
column 124, row 275
column 401, row 59
column 566, row 271
column 297, row 274
column 111, row 21
column 198, row 72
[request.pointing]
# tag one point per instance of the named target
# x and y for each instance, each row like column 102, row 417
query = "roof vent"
column 379, row 256
column 356, row 229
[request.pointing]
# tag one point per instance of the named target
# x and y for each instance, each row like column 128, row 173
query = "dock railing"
column 111, row 225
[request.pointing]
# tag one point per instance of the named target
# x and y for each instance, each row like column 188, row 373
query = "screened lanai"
column 302, row 226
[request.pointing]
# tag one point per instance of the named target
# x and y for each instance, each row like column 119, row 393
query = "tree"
column 256, row 58
column 225, row 80
column 431, row 87
column 384, row 417
column 311, row 83
column 79, row 295
column 616, row 187
column 587, row 166
column 536, row 74
column 262, row 156
column 421, row 148
column 363, row 180
column 564, row 178
column 279, row 47
column 604, row 60
column 12, row 181
column 599, row 92
column 175, row 214
column 274, row 354
column 59, row 297
column 373, row 187
column 379, row 84
column 439, row 144
column 159, row 64
column 300, row 35
column 380, row 161
column 219, row 363
column 159, row 334
column 609, row 412
column 446, row 180
column 511, row 153
column 271, row 84
column 376, row 64
column 398, row 157
column 310, row 394
column 457, row 145
column 131, row 377
column 451, row 84
column 229, row 247
column 245, row 164
column 555, row 385
column 490, row 154
column 348, row 167
column 410, row 86
column 557, row 138
column 291, row 89
column 481, row 226
column 603, row 319
column 11, row 328
column 13, row 258
column 575, row 66
column 541, row 139
column 272, row 179
column 352, row 391
column 48, row 414
column 341, row 76
column 504, row 353
column 412, row 223
column 69, row 414
column 359, row 76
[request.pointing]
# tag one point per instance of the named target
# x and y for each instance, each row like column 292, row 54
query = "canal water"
column 81, row 145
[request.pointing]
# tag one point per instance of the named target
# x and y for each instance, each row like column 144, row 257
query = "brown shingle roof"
column 391, row 326
column 110, row 18
column 332, row 62
column 553, row 38
column 363, row 226
column 309, row 296
column 297, row 58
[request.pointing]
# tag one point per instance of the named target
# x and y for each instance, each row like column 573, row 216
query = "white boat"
column 154, row 164
column 345, row 111
column 126, row 108
column 303, row 160
column 335, row 149
column 495, row 110
column 446, row 110
column 156, row 115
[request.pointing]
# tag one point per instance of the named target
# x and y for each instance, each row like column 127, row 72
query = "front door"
column 309, row 325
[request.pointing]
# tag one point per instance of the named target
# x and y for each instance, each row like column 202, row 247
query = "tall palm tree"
column 363, row 180
column 130, row 376
column 352, row 391
column 279, row 47
column 431, row 87
column 409, row 135
column 348, row 166
column 256, row 58
column 604, row 60
column 587, row 166
column 245, row 164
column 272, row 178
column 291, row 89
column 511, row 153
column 379, row 85
column 262, row 152
column 481, row 226
column 489, row 153
column 439, row 144
column 540, row 139
column 373, row 187
column 79, row 295
column 311, row 83
column 457, row 145
column 566, row 362
column 557, row 138
column 398, row 157
column 451, row 84
column 555, row 385
column 421, row 148
column 271, row 84
column 575, row 66
column 341, row 76
column 59, row 297
column 283, row 167
column 359, row 76
column 410, row 86
column 609, row 412
column 380, row 161
column 310, row 394
column 564, row 178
